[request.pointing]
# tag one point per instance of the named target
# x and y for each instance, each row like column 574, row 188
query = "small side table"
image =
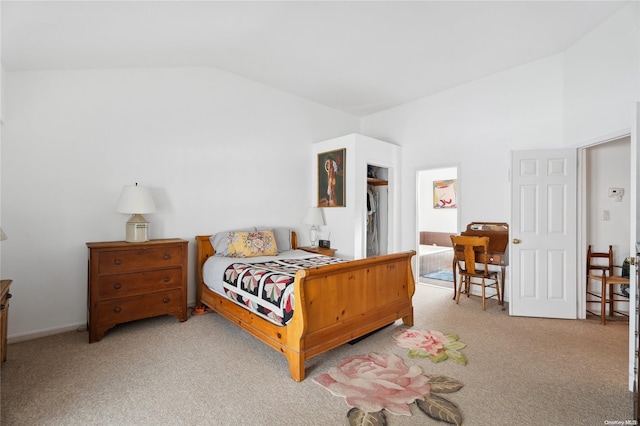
column 4, row 316
column 319, row 250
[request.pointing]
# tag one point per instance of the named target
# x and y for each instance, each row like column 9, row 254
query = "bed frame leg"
column 296, row 366
column 408, row 320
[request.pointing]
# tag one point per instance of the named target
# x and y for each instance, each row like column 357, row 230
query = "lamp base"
column 313, row 236
column 137, row 230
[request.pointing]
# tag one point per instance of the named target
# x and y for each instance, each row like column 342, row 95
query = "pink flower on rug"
column 431, row 344
column 429, row 341
column 375, row 382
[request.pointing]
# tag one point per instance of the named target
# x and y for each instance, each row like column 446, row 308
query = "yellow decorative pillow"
column 251, row 244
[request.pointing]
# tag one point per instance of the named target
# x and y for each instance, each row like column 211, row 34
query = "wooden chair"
column 473, row 272
column 600, row 268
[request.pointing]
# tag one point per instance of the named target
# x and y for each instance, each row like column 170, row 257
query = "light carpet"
column 207, row 371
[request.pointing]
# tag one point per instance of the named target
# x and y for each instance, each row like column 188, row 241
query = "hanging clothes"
column 372, row 222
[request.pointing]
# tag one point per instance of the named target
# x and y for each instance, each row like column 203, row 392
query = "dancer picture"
column 331, row 179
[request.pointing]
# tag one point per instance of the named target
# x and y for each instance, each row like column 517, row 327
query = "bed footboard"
column 345, row 301
column 334, row 304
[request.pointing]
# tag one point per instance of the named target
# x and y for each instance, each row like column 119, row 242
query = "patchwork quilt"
column 266, row 288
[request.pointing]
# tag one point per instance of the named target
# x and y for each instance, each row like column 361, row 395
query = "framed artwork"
column 445, row 194
column 331, row 177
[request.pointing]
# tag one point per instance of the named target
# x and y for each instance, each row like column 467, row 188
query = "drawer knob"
column 167, row 257
column 9, row 295
column 2, row 307
column 117, row 286
column 117, row 309
column 165, row 300
column 117, row 261
column 167, row 279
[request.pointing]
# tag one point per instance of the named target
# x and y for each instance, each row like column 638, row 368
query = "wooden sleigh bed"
column 333, row 304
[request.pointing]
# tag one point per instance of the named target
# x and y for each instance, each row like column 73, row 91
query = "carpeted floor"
column 207, row 371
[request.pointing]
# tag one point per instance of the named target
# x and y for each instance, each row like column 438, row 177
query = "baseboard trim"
column 15, row 338
column 43, row 333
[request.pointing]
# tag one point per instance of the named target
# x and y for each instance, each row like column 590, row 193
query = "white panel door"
column 543, row 234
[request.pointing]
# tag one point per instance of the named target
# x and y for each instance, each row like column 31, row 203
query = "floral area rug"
column 379, row 383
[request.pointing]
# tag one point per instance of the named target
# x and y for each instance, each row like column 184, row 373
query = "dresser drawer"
column 136, row 307
column 123, row 285
column 120, row 261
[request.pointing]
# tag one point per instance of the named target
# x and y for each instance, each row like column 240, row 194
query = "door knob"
column 516, row 241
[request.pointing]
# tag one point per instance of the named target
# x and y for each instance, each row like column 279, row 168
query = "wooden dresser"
column 131, row 281
column 4, row 316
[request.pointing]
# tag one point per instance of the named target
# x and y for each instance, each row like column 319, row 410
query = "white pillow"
column 283, row 237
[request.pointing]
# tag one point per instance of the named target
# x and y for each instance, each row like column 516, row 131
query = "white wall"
column 476, row 125
column 601, row 79
column 217, row 151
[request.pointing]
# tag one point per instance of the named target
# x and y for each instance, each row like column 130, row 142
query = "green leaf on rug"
column 455, row 345
column 439, row 408
column 456, row 356
column 443, row 384
column 439, row 357
column 418, row 353
column 357, row 417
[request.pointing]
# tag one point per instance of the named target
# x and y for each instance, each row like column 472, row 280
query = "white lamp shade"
column 135, row 199
column 313, row 217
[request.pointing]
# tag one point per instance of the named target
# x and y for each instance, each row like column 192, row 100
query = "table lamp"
column 315, row 219
column 136, row 200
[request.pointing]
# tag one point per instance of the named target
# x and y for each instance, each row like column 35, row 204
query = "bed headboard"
column 436, row 238
column 205, row 249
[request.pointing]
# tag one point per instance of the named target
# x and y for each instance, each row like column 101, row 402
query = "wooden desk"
column 498, row 233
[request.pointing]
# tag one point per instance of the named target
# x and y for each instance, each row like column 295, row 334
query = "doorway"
column 438, row 204
column 606, row 179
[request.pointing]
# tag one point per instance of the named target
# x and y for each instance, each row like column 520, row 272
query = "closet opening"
column 377, row 206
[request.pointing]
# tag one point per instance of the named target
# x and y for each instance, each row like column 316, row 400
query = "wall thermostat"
column 617, row 193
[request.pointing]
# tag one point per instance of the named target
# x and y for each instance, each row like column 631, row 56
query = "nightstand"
column 4, row 316
column 131, row 281
column 319, row 250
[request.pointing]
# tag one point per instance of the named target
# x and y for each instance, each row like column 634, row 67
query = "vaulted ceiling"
column 356, row 56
